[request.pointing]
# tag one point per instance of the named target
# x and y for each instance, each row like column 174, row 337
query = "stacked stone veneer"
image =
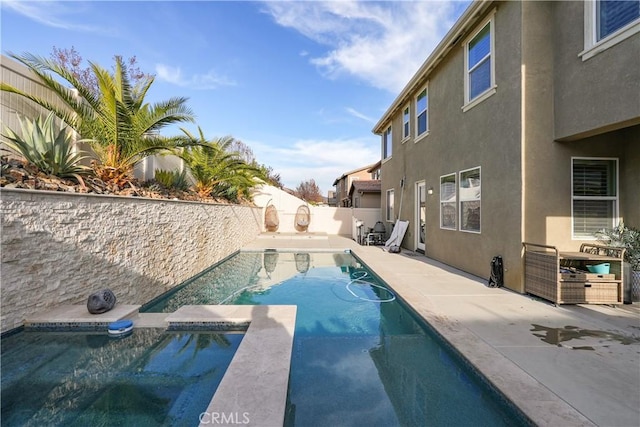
column 58, row 248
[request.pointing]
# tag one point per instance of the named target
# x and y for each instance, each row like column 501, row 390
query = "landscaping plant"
column 48, row 147
column 624, row 237
column 121, row 126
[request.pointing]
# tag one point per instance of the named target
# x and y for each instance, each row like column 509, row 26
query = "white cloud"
column 382, row 43
column 57, row 14
column 208, row 81
column 360, row 115
column 320, row 160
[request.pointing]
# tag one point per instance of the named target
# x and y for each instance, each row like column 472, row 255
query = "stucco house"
column 365, row 193
column 522, row 125
column 343, row 183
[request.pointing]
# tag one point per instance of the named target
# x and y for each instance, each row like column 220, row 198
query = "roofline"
column 453, row 36
column 344, row 175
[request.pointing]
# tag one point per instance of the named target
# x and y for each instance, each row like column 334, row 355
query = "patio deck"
column 572, row 365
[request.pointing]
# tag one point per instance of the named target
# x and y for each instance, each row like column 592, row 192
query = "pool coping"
column 254, row 388
column 78, row 318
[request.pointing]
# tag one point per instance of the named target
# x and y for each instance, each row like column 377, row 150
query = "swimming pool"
column 360, row 357
column 150, row 378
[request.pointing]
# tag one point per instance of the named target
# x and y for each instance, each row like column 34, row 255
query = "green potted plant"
column 628, row 238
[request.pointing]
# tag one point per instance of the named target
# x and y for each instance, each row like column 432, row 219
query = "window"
column 479, row 62
column 422, row 107
column 390, row 212
column 386, row 143
column 613, row 15
column 607, row 23
column 448, row 202
column 594, row 194
column 405, row 123
column 470, row 200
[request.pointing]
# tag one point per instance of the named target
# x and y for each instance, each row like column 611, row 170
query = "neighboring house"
column 365, row 194
column 343, row 184
column 331, row 198
column 523, row 125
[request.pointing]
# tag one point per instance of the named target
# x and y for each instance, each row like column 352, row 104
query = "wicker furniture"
column 573, row 284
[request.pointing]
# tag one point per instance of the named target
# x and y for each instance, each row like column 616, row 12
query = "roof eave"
column 468, row 18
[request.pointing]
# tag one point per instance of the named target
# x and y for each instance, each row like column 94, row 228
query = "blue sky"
column 300, row 82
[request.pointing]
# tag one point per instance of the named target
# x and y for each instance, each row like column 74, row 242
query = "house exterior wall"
column 344, row 184
column 485, row 136
column 549, row 107
column 600, row 93
column 569, row 99
column 365, row 200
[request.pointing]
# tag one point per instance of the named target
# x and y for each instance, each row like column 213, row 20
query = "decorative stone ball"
column 101, row 301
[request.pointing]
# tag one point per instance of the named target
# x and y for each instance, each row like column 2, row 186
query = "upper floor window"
column 405, row 123
column 386, row 143
column 594, row 193
column 613, row 15
column 422, row 112
column 607, row 23
column 479, row 62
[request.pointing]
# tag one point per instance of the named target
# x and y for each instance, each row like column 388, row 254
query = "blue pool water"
column 360, row 357
column 150, row 378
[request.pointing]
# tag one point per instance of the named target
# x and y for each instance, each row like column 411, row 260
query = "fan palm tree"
column 217, row 171
column 121, row 127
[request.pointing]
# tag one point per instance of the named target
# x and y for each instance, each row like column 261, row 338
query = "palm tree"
column 217, row 171
column 120, row 126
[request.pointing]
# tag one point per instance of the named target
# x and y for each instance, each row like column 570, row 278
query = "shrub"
column 624, row 237
column 172, row 179
column 48, row 147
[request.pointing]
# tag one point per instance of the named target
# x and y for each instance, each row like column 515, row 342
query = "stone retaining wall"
column 57, row 248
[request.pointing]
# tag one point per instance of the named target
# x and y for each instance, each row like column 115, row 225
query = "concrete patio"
column 572, row 365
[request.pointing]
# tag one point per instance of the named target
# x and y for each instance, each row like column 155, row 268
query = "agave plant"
column 217, row 171
column 48, row 147
column 122, row 127
column 172, row 179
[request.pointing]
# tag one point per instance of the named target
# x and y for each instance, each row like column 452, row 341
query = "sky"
column 302, row 83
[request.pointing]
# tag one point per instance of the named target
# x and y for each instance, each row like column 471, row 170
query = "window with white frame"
column 405, row 123
column 470, row 195
column 480, row 64
column 448, row 217
column 390, row 206
column 422, row 112
column 594, row 194
column 611, row 16
column 607, row 23
column 386, row 143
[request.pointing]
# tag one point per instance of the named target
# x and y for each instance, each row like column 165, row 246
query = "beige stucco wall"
column 57, row 248
column 544, row 91
column 556, row 81
column 548, row 214
column 600, row 93
column 487, row 135
column 366, row 200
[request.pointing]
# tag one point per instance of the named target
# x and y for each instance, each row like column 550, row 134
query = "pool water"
column 149, row 378
column 360, row 357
